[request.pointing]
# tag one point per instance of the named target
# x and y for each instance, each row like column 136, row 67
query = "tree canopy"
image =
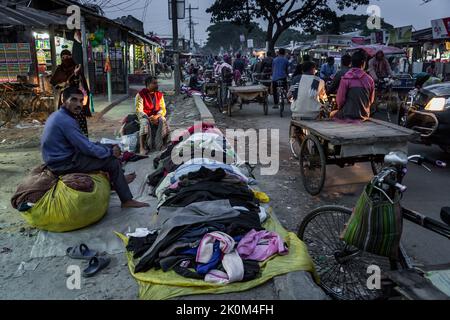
column 280, row 15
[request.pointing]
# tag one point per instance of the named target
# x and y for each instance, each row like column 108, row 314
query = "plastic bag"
column 64, row 209
column 129, row 142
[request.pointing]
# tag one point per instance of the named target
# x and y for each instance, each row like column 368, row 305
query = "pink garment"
column 261, row 245
column 206, row 246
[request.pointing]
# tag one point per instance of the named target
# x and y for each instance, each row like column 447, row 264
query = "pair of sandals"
column 96, row 263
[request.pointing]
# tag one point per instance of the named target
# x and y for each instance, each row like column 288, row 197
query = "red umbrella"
column 372, row 49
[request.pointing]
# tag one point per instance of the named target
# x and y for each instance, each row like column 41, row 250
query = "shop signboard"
column 15, row 59
column 401, row 35
column 249, row 43
column 441, row 28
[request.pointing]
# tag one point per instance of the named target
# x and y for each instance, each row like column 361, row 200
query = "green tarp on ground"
column 159, row 285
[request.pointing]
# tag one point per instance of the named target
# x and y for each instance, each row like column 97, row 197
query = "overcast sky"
column 396, row 12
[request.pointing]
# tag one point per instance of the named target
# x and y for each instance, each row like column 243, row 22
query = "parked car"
column 427, row 111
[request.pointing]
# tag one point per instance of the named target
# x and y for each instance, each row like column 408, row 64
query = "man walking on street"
column 280, row 67
column 65, row 149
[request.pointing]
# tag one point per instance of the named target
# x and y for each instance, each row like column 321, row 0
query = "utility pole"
column 191, row 25
column 176, row 59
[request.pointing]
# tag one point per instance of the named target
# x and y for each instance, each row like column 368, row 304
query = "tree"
column 352, row 22
column 226, row 34
column 280, row 15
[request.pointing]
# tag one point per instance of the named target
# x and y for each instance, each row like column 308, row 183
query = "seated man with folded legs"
column 151, row 112
column 65, row 149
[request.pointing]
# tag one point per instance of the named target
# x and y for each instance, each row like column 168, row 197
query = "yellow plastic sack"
column 159, row 285
column 64, row 209
column 261, row 196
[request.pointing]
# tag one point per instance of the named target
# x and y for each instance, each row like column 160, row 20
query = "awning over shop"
column 146, row 40
column 25, row 16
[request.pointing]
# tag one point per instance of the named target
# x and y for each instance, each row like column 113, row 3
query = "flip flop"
column 95, row 265
column 81, row 252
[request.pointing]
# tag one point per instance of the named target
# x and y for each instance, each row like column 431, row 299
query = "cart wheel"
column 377, row 165
column 266, row 107
column 295, row 140
column 312, row 165
column 281, row 107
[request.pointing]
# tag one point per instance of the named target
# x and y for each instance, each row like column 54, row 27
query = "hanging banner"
column 441, row 28
column 401, row 35
column 250, row 43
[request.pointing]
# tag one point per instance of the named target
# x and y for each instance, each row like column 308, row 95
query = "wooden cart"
column 248, row 94
column 320, row 142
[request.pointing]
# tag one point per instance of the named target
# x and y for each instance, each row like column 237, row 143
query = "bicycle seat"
column 396, row 158
column 445, row 215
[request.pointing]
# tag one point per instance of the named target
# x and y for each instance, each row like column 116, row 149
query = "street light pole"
column 175, row 46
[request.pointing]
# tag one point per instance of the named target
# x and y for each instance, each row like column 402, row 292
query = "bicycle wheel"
column 342, row 268
column 168, row 74
column 312, row 165
column 295, row 141
column 6, row 113
column 281, row 106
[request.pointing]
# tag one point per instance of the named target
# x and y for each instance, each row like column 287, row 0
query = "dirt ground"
column 19, row 153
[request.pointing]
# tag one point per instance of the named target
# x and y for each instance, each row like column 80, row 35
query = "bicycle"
column 342, row 268
column 386, row 98
column 282, row 95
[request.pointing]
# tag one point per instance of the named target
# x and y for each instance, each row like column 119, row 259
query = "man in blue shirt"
column 280, row 67
column 328, row 69
column 65, row 149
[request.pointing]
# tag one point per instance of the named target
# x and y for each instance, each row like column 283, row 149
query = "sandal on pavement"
column 81, row 252
column 95, row 265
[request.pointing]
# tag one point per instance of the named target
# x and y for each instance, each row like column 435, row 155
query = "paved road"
column 427, row 192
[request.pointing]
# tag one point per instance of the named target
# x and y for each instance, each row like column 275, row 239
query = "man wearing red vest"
column 151, row 111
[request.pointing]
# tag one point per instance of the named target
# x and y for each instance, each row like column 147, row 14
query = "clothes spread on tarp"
column 141, row 232
column 175, row 221
column 234, row 270
column 205, row 248
column 261, row 245
column 209, row 191
column 140, row 245
column 207, row 146
column 196, row 164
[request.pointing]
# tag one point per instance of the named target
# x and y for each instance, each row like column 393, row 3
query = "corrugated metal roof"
column 25, row 16
column 144, row 39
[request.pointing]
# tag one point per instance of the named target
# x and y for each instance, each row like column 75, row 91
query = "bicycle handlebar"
column 402, row 188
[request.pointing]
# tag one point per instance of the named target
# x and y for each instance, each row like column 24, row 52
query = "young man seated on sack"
column 65, row 149
column 151, row 112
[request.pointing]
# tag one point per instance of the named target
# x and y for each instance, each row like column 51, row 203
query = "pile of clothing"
column 209, row 218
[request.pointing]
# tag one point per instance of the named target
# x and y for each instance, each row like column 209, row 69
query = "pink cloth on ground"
column 261, row 245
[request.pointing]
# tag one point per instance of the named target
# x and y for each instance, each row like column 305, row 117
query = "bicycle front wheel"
column 342, row 268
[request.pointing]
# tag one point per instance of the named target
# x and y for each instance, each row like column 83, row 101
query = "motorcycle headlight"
column 438, row 104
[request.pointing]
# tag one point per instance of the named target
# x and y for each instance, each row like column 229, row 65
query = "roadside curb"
column 98, row 115
column 205, row 114
column 298, row 285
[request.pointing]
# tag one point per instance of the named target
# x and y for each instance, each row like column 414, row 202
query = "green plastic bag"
column 375, row 225
column 64, row 209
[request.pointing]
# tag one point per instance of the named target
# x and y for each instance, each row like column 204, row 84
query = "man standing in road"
column 328, row 69
column 280, row 67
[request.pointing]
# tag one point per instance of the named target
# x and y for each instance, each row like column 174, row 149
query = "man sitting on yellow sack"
column 65, row 149
column 151, row 112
